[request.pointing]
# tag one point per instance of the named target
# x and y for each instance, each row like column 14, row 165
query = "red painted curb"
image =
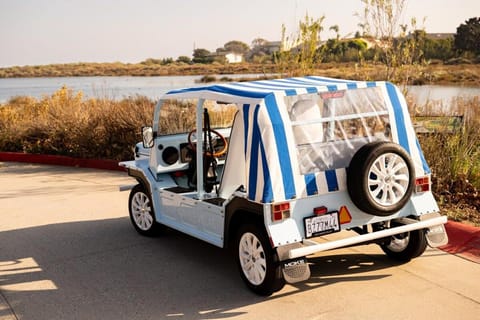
column 463, row 240
column 61, row 161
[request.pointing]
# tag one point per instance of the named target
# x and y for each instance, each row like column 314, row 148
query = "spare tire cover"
column 380, row 178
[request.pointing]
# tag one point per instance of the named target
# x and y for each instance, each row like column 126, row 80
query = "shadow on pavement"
column 104, row 269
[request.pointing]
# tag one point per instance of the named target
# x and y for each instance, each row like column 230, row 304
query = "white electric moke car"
column 294, row 159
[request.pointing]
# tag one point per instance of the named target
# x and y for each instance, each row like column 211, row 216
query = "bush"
column 454, row 157
column 67, row 124
column 455, row 154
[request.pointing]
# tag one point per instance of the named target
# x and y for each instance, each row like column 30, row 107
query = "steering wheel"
column 219, row 143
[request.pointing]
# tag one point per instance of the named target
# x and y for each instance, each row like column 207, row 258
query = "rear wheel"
column 405, row 246
column 141, row 211
column 257, row 261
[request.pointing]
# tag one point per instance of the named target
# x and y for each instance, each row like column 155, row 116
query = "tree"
column 415, row 44
column 259, row 51
column 202, row 56
column 259, row 42
column 357, row 44
column 298, row 56
column 467, row 38
column 381, row 18
column 343, row 50
column 236, row 47
column 184, row 59
column 309, row 40
column 439, row 49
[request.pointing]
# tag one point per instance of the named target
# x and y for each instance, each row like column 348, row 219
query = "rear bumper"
column 310, row 247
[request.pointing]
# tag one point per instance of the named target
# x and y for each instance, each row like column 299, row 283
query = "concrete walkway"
column 68, row 251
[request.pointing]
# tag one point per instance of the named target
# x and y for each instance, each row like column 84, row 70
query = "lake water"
column 154, row 87
column 104, row 87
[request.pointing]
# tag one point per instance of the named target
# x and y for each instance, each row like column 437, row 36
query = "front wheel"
column 257, row 261
column 141, row 211
column 405, row 246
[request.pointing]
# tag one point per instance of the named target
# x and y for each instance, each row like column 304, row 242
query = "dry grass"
column 454, row 153
column 67, row 124
column 454, row 156
column 135, row 69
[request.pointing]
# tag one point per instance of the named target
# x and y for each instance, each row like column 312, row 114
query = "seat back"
column 234, row 167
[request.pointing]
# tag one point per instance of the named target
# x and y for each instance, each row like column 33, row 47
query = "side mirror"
column 147, row 135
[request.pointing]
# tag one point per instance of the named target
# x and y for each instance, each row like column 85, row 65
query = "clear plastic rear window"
column 330, row 127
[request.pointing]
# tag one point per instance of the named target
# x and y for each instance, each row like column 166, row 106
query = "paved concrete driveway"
column 68, row 251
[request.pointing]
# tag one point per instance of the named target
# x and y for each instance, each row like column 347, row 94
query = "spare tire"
column 380, row 178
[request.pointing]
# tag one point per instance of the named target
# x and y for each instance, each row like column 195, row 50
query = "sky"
column 39, row 32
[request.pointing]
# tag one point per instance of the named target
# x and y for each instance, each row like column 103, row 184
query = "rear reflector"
column 422, row 184
column 280, row 211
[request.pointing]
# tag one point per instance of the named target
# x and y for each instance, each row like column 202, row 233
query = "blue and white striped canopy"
column 254, row 90
column 271, row 172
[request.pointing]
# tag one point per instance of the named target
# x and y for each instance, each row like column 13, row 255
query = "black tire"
column 380, row 178
column 405, row 246
column 141, row 211
column 257, row 261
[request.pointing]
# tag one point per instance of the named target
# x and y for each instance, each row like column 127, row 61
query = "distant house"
column 272, row 46
column 228, row 57
column 233, row 57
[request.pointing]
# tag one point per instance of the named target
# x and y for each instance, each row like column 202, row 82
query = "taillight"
column 280, row 211
column 422, row 184
column 318, row 211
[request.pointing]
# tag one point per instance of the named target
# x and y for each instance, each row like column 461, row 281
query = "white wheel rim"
column 399, row 242
column 388, row 179
column 252, row 258
column 141, row 211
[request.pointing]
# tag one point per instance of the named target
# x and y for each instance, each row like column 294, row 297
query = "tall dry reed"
column 66, row 123
column 453, row 152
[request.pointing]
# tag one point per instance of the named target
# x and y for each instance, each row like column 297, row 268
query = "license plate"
column 321, row 225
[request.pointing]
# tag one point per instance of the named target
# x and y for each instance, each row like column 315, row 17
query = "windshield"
column 179, row 116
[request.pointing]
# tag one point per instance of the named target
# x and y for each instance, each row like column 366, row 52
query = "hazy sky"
column 54, row 31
